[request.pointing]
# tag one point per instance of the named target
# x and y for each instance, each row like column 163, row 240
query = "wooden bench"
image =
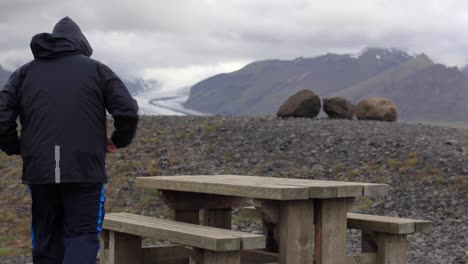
column 209, row 245
column 384, row 239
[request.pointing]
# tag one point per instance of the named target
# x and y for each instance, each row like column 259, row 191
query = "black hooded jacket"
column 61, row 98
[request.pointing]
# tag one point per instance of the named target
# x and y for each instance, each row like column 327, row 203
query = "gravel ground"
column 426, row 166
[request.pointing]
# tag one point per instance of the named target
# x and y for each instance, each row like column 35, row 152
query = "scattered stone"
column 451, row 142
column 339, row 108
column 377, row 108
column 304, row 103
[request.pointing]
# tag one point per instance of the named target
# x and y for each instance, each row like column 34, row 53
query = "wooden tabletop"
column 262, row 187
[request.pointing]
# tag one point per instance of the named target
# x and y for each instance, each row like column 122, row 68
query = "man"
column 61, row 99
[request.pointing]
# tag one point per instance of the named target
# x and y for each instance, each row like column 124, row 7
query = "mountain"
column 422, row 90
column 4, row 75
column 465, row 71
column 134, row 87
column 260, row 87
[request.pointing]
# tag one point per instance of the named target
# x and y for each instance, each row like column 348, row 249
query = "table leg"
column 296, row 232
column 221, row 218
column 269, row 211
column 331, row 230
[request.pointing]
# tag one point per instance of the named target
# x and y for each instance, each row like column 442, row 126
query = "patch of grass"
column 209, row 128
column 393, row 164
column 440, row 180
column 456, row 184
column 352, row 173
column 362, row 205
column 338, row 168
column 153, row 170
column 412, row 160
column 378, row 179
column 228, row 156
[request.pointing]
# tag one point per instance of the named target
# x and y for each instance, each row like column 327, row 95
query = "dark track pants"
column 66, row 222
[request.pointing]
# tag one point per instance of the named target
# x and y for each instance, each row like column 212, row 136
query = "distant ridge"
column 422, row 90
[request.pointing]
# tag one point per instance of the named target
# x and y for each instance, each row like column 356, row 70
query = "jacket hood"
column 65, row 39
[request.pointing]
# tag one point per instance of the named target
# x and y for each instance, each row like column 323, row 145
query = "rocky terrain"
column 426, row 167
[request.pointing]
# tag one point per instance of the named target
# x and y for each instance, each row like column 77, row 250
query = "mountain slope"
column 465, row 71
column 260, row 87
column 422, row 90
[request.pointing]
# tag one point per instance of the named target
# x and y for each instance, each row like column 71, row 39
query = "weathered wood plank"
column 187, row 216
column 330, row 230
column 212, row 257
column 385, row 224
column 367, row 258
column 370, row 189
column 258, row 256
column 368, row 242
column 195, row 201
column 247, row 240
column 317, row 188
column 167, row 254
column 103, row 253
column 242, row 189
column 392, row 248
column 422, row 226
column 173, row 233
column 296, row 232
column 219, row 217
column 124, row 249
column 269, row 211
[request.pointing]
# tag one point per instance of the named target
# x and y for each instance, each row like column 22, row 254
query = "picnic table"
column 311, row 214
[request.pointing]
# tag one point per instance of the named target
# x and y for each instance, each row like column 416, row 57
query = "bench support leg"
column 124, row 249
column 187, row 216
column 392, row 248
column 220, row 218
column 103, row 247
column 369, row 242
column 212, row 257
column 330, row 230
column 296, row 232
column 269, row 211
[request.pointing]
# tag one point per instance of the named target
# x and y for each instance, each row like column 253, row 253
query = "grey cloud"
column 134, row 36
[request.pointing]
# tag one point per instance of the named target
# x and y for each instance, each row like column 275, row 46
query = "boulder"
column 377, row 108
column 338, row 107
column 304, row 103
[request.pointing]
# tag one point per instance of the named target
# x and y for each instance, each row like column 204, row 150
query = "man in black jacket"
column 61, row 98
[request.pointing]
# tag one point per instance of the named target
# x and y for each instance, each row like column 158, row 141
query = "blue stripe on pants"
column 33, row 240
column 100, row 217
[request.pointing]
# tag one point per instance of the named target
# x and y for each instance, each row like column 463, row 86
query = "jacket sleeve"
column 9, row 104
column 120, row 104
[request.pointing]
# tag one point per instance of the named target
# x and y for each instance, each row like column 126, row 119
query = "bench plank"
column 385, row 224
column 244, row 240
column 172, row 233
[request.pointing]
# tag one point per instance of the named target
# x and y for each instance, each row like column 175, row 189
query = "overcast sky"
column 180, row 42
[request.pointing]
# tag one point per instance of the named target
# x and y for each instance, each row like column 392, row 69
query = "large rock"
column 376, row 108
column 304, row 103
column 338, row 107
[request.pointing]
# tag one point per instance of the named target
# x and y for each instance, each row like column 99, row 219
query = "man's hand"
column 111, row 148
